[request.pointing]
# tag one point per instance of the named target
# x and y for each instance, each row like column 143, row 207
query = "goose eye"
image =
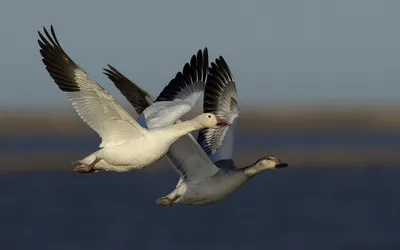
column 209, row 116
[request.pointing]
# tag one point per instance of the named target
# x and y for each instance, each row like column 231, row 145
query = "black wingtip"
column 58, row 64
column 220, row 71
column 113, row 74
column 138, row 97
column 110, row 70
column 196, row 71
column 220, row 84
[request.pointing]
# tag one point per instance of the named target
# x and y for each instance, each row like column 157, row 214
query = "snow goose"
column 125, row 144
column 207, row 171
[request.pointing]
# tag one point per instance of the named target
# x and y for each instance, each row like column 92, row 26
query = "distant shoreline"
column 360, row 118
column 298, row 159
column 301, row 119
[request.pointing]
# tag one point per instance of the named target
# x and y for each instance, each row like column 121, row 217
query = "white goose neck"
column 178, row 130
column 186, row 126
column 251, row 170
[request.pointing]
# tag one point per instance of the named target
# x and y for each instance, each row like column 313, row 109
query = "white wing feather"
column 93, row 104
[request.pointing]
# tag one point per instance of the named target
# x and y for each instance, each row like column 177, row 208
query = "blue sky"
column 280, row 51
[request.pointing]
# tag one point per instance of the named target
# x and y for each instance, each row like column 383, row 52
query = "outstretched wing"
column 220, row 98
column 137, row 97
column 93, row 104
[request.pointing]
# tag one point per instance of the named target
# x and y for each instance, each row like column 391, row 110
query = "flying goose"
column 125, row 145
column 207, row 171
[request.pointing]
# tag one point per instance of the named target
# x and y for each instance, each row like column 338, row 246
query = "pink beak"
column 222, row 122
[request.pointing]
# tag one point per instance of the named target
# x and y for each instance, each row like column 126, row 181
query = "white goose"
column 207, row 171
column 125, row 144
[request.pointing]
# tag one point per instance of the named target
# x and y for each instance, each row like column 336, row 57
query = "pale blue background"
column 281, row 51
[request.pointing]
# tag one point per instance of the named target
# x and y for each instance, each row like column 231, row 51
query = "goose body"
column 138, row 152
column 125, row 145
column 208, row 190
column 207, row 172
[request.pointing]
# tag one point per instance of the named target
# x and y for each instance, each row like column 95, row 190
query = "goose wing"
column 220, row 98
column 93, row 104
column 180, row 95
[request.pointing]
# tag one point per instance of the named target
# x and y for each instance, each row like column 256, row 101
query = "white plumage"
column 125, row 144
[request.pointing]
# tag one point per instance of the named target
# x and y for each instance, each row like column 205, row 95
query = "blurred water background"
column 318, row 85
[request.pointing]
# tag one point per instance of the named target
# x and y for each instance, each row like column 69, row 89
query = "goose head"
column 266, row 163
column 209, row 120
column 270, row 162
